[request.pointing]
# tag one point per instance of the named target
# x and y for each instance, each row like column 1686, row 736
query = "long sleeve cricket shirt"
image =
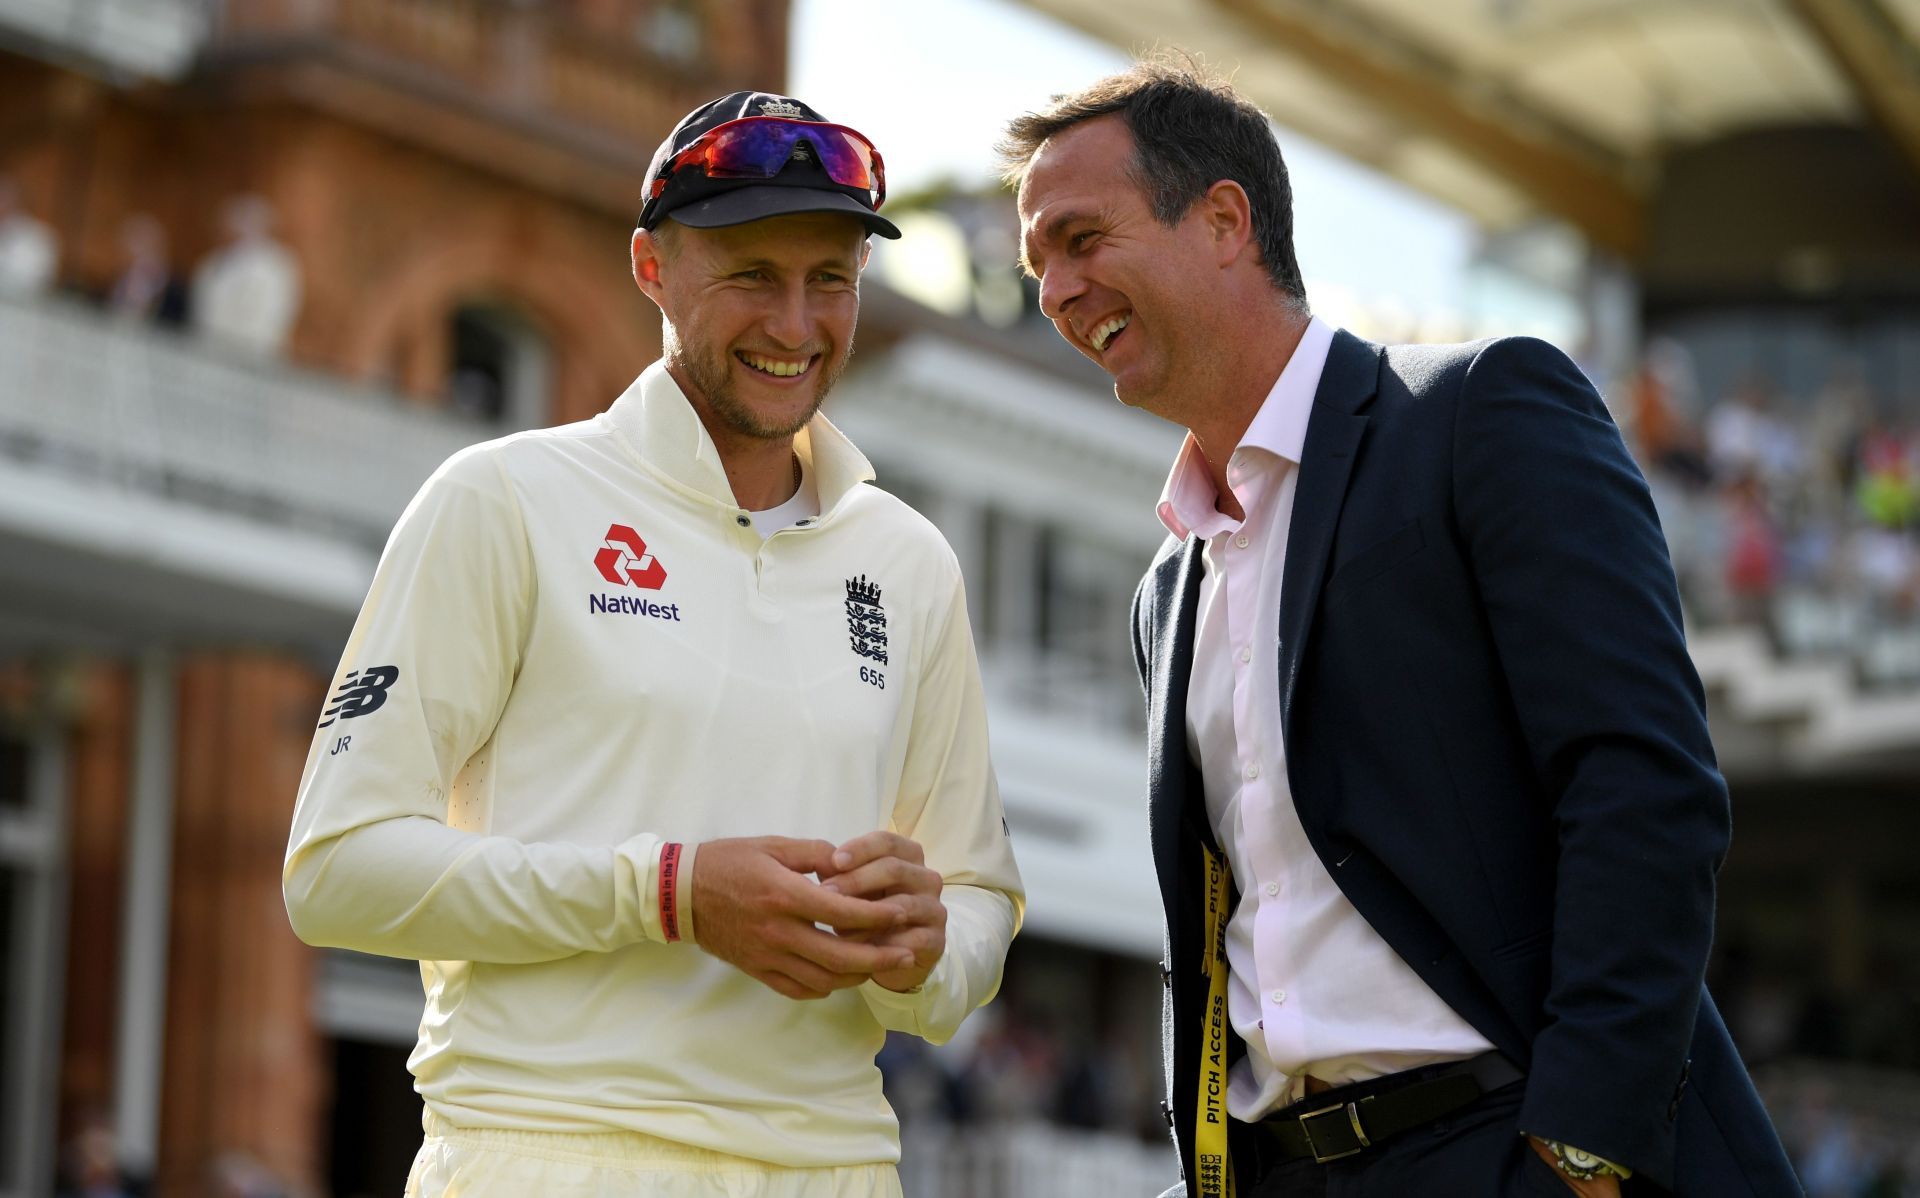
column 576, row 649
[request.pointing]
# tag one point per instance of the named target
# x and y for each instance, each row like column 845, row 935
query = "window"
column 672, row 30
column 498, row 368
column 1086, row 589
column 14, row 758
column 32, row 936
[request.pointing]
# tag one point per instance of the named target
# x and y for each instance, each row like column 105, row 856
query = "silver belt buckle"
column 1353, row 1118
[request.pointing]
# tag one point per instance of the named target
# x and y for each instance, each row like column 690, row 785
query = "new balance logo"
column 361, row 692
column 625, row 559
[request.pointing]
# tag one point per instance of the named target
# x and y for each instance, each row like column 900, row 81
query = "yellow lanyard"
column 1212, row 1167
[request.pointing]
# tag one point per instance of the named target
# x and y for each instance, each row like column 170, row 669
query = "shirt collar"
column 657, row 424
column 1190, row 503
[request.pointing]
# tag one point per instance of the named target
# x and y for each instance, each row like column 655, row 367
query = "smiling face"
column 759, row 317
column 1125, row 290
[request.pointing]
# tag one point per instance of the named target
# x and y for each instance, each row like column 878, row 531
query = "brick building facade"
column 456, row 179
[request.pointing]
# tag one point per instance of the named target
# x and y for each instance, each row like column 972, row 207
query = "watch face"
column 1581, row 1166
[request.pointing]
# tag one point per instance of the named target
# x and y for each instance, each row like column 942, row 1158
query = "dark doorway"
column 376, row 1120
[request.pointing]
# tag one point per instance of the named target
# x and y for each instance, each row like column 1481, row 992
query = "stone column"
column 1845, row 930
column 245, row 1070
column 101, row 746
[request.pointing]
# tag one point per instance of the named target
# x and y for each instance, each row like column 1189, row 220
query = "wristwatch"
column 1582, row 1165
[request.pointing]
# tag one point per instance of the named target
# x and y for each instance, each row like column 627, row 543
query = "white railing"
column 88, row 395
column 1067, row 686
column 1032, row 1161
column 152, row 38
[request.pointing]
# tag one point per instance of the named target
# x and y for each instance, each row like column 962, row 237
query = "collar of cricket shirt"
column 659, row 426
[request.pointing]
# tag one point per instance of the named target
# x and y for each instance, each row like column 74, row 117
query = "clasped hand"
column 755, row 908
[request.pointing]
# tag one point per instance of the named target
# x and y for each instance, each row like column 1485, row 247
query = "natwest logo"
column 625, row 559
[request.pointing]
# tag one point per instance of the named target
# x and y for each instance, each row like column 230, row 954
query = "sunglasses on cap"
column 759, row 147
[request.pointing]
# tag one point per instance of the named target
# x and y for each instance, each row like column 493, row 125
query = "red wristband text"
column 669, row 911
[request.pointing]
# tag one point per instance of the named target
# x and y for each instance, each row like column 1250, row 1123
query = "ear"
column 646, row 266
column 1229, row 219
column 866, row 252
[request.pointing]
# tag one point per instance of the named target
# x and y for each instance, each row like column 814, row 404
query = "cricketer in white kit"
column 660, row 743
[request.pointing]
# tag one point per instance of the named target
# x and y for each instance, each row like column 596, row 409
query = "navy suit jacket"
column 1497, row 744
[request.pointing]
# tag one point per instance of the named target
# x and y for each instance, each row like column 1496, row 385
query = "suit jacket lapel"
column 1334, row 430
column 1176, row 601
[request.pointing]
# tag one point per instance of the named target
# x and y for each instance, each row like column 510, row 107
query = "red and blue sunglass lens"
column 763, row 148
column 759, row 148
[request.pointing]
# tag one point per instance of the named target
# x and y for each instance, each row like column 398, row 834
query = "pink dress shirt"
column 1313, row 989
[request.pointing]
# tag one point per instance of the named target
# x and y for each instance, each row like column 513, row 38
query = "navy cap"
column 803, row 185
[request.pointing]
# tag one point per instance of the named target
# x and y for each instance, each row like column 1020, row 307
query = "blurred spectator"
column 28, row 249
column 1753, row 548
column 1745, row 438
column 147, row 288
column 1015, row 1068
column 1084, row 1091
column 247, row 293
column 1842, row 414
column 1764, row 1015
column 1885, row 1020
column 1108, row 1086
column 90, row 1165
column 1836, row 1164
column 1810, row 528
column 1889, row 493
column 1887, row 565
column 919, row 1084
column 1846, row 1146
column 239, row 1175
column 1664, row 435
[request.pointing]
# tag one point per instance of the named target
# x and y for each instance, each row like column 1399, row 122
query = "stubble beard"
column 1173, row 394
column 712, row 377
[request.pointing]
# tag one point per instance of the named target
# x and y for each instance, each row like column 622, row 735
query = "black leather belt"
column 1348, row 1120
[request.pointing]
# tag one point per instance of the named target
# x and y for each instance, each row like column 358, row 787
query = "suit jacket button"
column 1673, row 1108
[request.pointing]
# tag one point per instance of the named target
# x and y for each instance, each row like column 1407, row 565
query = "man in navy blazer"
column 1433, row 806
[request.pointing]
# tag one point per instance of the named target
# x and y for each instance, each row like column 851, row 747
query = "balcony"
column 152, row 486
column 143, row 39
column 516, row 57
column 527, row 90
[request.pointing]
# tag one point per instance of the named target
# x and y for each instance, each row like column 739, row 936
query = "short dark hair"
column 1190, row 130
column 666, row 235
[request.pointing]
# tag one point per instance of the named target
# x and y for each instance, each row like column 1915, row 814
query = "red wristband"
column 669, row 912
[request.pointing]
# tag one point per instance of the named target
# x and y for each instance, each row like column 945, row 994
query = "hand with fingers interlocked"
column 754, row 907
column 890, row 869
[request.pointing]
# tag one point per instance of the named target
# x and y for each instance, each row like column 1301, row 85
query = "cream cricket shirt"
column 577, row 648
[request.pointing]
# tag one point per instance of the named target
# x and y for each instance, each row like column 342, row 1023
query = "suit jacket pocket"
column 1379, row 557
